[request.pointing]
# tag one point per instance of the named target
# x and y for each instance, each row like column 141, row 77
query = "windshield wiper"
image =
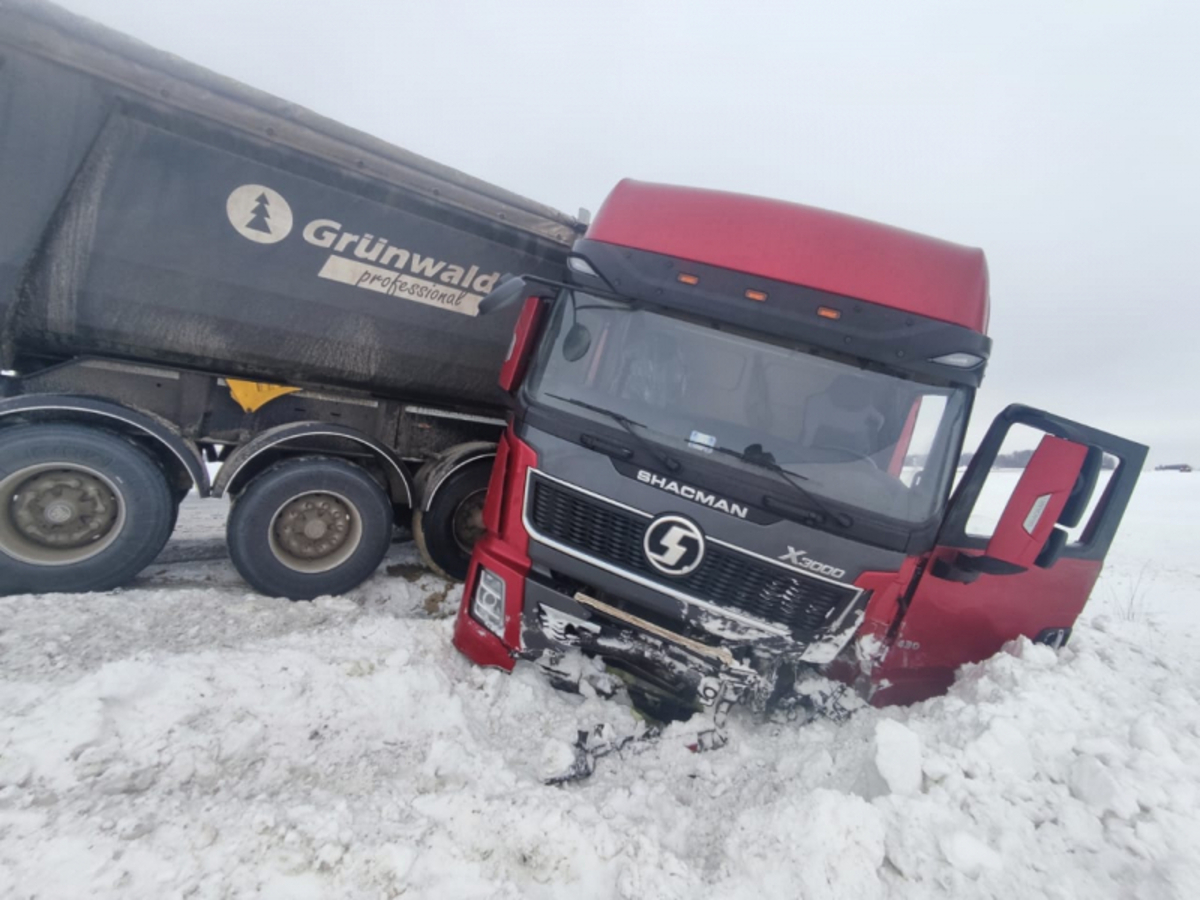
column 669, row 462
column 756, row 456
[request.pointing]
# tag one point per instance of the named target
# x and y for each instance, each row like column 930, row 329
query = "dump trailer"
column 730, row 460
column 194, row 271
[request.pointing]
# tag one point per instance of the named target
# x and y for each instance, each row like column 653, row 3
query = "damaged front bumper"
column 656, row 662
column 678, row 666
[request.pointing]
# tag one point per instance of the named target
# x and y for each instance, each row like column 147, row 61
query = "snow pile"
column 898, row 757
column 187, row 738
column 209, row 742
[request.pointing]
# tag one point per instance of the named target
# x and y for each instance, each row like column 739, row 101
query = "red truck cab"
column 735, row 434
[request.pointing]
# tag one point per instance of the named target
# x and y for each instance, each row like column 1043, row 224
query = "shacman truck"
column 718, row 455
column 194, row 272
column 729, row 463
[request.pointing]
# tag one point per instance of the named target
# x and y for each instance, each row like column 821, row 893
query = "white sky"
column 1062, row 137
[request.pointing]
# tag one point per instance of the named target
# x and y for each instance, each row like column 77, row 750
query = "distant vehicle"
column 1175, row 467
column 191, row 270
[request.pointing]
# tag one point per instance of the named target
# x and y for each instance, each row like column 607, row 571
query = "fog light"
column 488, row 603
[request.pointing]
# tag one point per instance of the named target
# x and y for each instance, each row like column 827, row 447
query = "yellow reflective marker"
column 252, row 395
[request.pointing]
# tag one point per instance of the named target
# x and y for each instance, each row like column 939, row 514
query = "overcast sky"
column 1063, row 138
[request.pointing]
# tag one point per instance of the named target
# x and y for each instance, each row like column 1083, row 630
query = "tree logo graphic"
column 259, row 214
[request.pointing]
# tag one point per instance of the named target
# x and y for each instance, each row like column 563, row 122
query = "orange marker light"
column 688, row 279
column 828, row 312
column 760, row 296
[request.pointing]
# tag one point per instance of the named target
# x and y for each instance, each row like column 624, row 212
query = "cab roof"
column 800, row 245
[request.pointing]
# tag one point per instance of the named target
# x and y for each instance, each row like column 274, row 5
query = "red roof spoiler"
column 801, row 245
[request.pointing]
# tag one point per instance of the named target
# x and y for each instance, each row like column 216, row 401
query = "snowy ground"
column 187, row 738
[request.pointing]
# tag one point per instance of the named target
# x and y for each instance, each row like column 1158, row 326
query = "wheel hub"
column 63, row 509
column 468, row 521
column 313, row 526
column 59, row 512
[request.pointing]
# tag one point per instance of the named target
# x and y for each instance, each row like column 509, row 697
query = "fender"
column 237, row 464
column 73, row 408
column 454, row 459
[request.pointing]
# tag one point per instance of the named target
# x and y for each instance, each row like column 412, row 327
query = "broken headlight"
column 487, row 606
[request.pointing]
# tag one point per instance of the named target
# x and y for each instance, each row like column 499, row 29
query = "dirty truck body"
column 731, row 458
column 193, row 271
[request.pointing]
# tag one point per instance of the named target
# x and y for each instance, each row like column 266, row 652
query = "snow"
column 898, row 756
column 187, row 738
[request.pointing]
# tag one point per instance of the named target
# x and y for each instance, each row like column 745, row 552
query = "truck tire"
column 308, row 527
column 446, row 532
column 83, row 509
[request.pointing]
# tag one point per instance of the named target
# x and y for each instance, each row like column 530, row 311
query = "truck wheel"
column 446, row 532
column 83, row 509
column 307, row 527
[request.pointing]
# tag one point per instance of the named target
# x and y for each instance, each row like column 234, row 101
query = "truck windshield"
column 871, row 440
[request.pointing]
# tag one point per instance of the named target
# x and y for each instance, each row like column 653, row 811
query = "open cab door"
column 1031, row 575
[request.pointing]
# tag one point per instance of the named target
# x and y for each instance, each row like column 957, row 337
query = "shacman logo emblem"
column 674, row 545
column 259, row 214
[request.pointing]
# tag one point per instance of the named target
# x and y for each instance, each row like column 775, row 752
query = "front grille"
column 806, row 606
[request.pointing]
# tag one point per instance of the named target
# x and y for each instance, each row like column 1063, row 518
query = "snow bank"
column 206, row 742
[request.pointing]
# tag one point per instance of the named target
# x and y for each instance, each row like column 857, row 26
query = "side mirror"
column 508, row 291
column 576, row 343
column 1037, row 504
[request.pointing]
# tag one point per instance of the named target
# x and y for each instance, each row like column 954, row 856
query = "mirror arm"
column 515, row 288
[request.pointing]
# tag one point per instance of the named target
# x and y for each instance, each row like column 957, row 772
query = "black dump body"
column 154, row 211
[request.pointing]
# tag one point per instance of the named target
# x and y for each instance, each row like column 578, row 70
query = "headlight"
column 488, row 604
